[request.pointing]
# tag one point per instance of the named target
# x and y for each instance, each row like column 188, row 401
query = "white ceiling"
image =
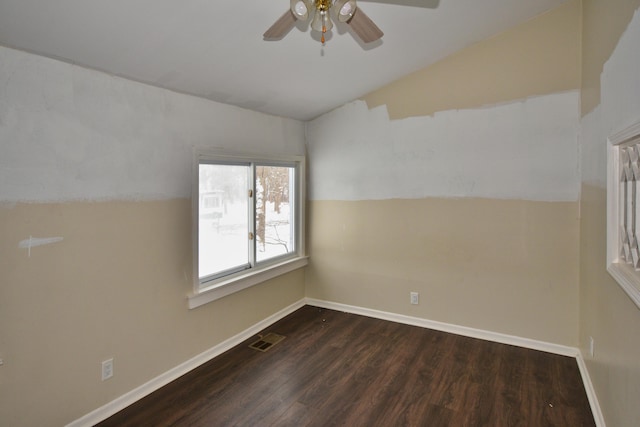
column 214, row 48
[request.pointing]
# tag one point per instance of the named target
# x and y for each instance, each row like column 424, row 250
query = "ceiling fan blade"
column 281, row 27
column 364, row 27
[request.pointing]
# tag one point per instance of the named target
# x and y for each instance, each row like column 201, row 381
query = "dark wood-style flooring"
column 335, row 368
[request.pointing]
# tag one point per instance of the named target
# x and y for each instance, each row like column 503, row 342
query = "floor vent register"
column 267, row 341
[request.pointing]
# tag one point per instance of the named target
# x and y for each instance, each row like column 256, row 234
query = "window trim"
column 626, row 276
column 239, row 281
column 264, row 270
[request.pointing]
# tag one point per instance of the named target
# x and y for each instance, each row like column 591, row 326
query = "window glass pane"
column 274, row 211
column 223, row 228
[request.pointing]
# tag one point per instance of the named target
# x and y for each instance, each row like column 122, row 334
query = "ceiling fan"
column 345, row 11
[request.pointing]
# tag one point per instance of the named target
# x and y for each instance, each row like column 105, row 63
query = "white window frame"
column 265, row 270
column 625, row 274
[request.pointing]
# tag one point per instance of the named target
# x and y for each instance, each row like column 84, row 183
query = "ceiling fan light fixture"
column 321, row 21
column 300, row 9
column 345, row 9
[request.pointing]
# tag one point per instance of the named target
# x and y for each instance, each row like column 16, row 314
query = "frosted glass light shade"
column 300, row 9
column 345, row 9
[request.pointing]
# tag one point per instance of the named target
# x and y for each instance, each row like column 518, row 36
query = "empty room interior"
column 471, row 172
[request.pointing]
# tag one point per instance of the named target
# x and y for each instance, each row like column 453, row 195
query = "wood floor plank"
column 340, row 369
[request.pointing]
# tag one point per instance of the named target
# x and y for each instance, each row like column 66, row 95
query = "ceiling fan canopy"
column 346, row 11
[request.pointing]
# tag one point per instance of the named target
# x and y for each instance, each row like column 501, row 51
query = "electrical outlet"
column 107, row 369
column 591, row 346
column 414, row 297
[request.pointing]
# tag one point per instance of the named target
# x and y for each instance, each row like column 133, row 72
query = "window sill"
column 244, row 281
column 627, row 278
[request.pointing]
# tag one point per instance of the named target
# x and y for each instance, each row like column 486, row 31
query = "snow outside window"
column 248, row 217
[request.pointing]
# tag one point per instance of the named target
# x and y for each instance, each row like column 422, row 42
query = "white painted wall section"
column 593, row 150
column 619, row 82
column 69, row 133
column 526, row 150
column 619, row 106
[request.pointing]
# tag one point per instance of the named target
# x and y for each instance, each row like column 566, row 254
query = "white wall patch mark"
column 37, row 241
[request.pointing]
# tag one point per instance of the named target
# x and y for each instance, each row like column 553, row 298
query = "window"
column 623, row 210
column 248, row 222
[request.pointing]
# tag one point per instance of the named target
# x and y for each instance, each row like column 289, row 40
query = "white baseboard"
column 591, row 392
column 133, row 396
column 481, row 334
column 447, row 327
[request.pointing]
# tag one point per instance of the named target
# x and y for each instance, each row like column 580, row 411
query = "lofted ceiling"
column 214, row 48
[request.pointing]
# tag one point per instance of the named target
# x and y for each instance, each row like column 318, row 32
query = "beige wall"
column 610, row 90
column 496, row 265
column 609, row 316
column 116, row 287
column 449, row 206
column 537, row 58
column 105, row 164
